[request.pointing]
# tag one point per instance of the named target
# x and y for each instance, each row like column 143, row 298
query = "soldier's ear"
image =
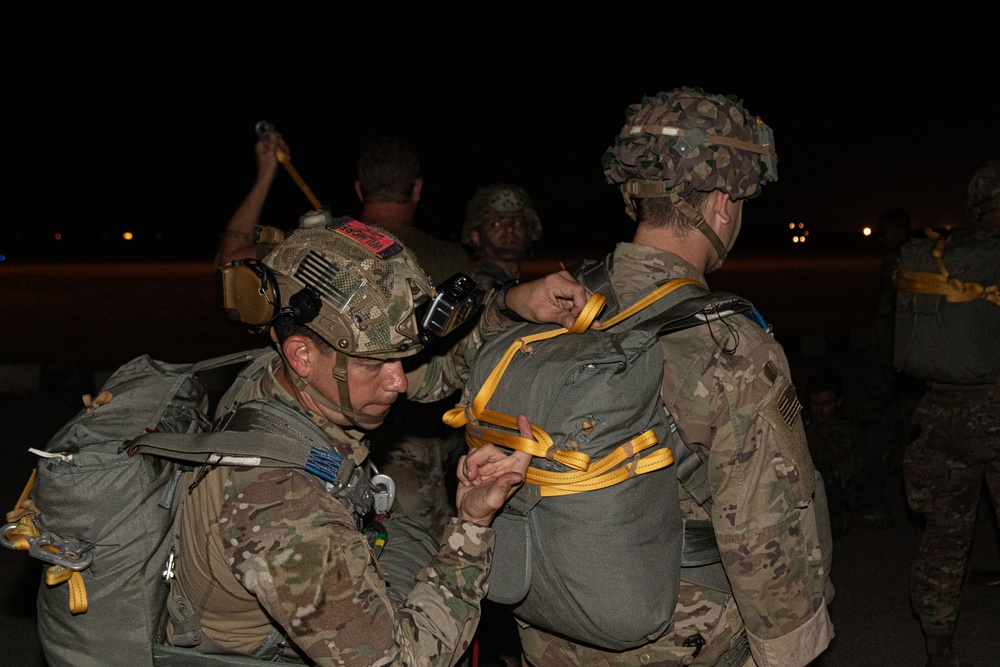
column 357, row 191
column 418, row 186
column 474, row 238
column 299, row 352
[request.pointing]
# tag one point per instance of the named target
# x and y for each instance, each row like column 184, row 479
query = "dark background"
column 141, row 118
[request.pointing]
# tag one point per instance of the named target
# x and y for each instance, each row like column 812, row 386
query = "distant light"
column 801, row 225
column 127, row 236
column 804, row 235
column 795, row 239
column 791, row 225
column 3, row 258
column 867, row 231
column 57, row 236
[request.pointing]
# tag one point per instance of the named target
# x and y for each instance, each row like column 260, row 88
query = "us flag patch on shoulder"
column 789, row 406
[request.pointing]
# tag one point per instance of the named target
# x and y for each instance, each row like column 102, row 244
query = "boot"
column 940, row 652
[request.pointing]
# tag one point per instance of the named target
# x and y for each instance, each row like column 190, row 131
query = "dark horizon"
column 144, row 122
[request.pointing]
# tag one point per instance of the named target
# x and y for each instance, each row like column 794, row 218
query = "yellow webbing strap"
column 941, row 283
column 542, row 446
column 24, row 515
column 58, row 574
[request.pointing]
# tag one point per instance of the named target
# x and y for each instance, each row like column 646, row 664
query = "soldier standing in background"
column 501, row 223
column 948, row 333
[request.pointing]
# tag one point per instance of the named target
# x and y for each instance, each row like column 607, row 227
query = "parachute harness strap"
column 942, row 283
column 586, row 475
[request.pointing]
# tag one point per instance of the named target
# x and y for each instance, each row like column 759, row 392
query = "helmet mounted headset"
column 357, row 287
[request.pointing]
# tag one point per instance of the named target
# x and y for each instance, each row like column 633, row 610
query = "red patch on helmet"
column 375, row 241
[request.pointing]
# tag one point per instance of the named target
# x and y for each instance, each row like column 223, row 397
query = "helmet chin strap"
column 658, row 189
column 356, row 417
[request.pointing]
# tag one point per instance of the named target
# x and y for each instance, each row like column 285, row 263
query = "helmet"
column 984, row 189
column 686, row 139
column 354, row 285
column 499, row 200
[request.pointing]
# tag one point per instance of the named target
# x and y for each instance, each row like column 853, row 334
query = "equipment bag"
column 948, row 308
column 100, row 517
column 597, row 519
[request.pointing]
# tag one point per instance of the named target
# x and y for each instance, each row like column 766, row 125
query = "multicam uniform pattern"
column 729, row 390
column 944, row 469
column 261, row 544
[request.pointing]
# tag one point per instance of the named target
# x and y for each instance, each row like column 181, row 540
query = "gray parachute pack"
column 597, row 519
column 100, row 507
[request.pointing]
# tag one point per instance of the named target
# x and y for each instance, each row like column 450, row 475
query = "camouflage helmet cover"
column 984, row 189
column 669, row 138
column 500, row 200
column 368, row 286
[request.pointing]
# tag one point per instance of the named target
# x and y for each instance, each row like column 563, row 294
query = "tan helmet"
column 687, row 139
column 500, row 200
column 984, row 190
column 356, row 286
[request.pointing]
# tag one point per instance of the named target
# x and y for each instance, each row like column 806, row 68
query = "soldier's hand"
column 488, row 477
column 555, row 298
column 267, row 160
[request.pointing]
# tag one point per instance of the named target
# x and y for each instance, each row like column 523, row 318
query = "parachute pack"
column 948, row 308
column 99, row 508
column 600, row 500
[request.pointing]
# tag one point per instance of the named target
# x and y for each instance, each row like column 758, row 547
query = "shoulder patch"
column 789, row 406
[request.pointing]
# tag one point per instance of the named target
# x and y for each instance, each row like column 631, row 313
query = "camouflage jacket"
column 729, row 390
column 263, row 543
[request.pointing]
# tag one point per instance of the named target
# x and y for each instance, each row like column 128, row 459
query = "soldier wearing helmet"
column 939, row 332
column 271, row 560
column 500, row 225
column 685, row 162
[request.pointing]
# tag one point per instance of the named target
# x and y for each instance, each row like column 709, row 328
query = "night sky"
column 142, row 119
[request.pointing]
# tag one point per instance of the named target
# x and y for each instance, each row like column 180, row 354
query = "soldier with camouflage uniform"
column 270, row 557
column 958, row 448
column 685, row 161
column 501, row 223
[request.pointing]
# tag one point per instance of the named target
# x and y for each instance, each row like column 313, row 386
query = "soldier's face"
column 823, row 405
column 505, row 238
column 374, row 385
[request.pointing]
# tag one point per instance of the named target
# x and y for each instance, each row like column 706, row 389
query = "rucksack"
column 598, row 518
column 948, row 308
column 100, row 507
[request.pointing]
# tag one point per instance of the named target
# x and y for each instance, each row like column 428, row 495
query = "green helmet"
column 686, row 140
column 356, row 286
column 984, row 190
column 500, row 200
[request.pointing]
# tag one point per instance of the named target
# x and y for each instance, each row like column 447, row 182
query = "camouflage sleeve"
column 296, row 549
column 745, row 418
column 441, row 375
